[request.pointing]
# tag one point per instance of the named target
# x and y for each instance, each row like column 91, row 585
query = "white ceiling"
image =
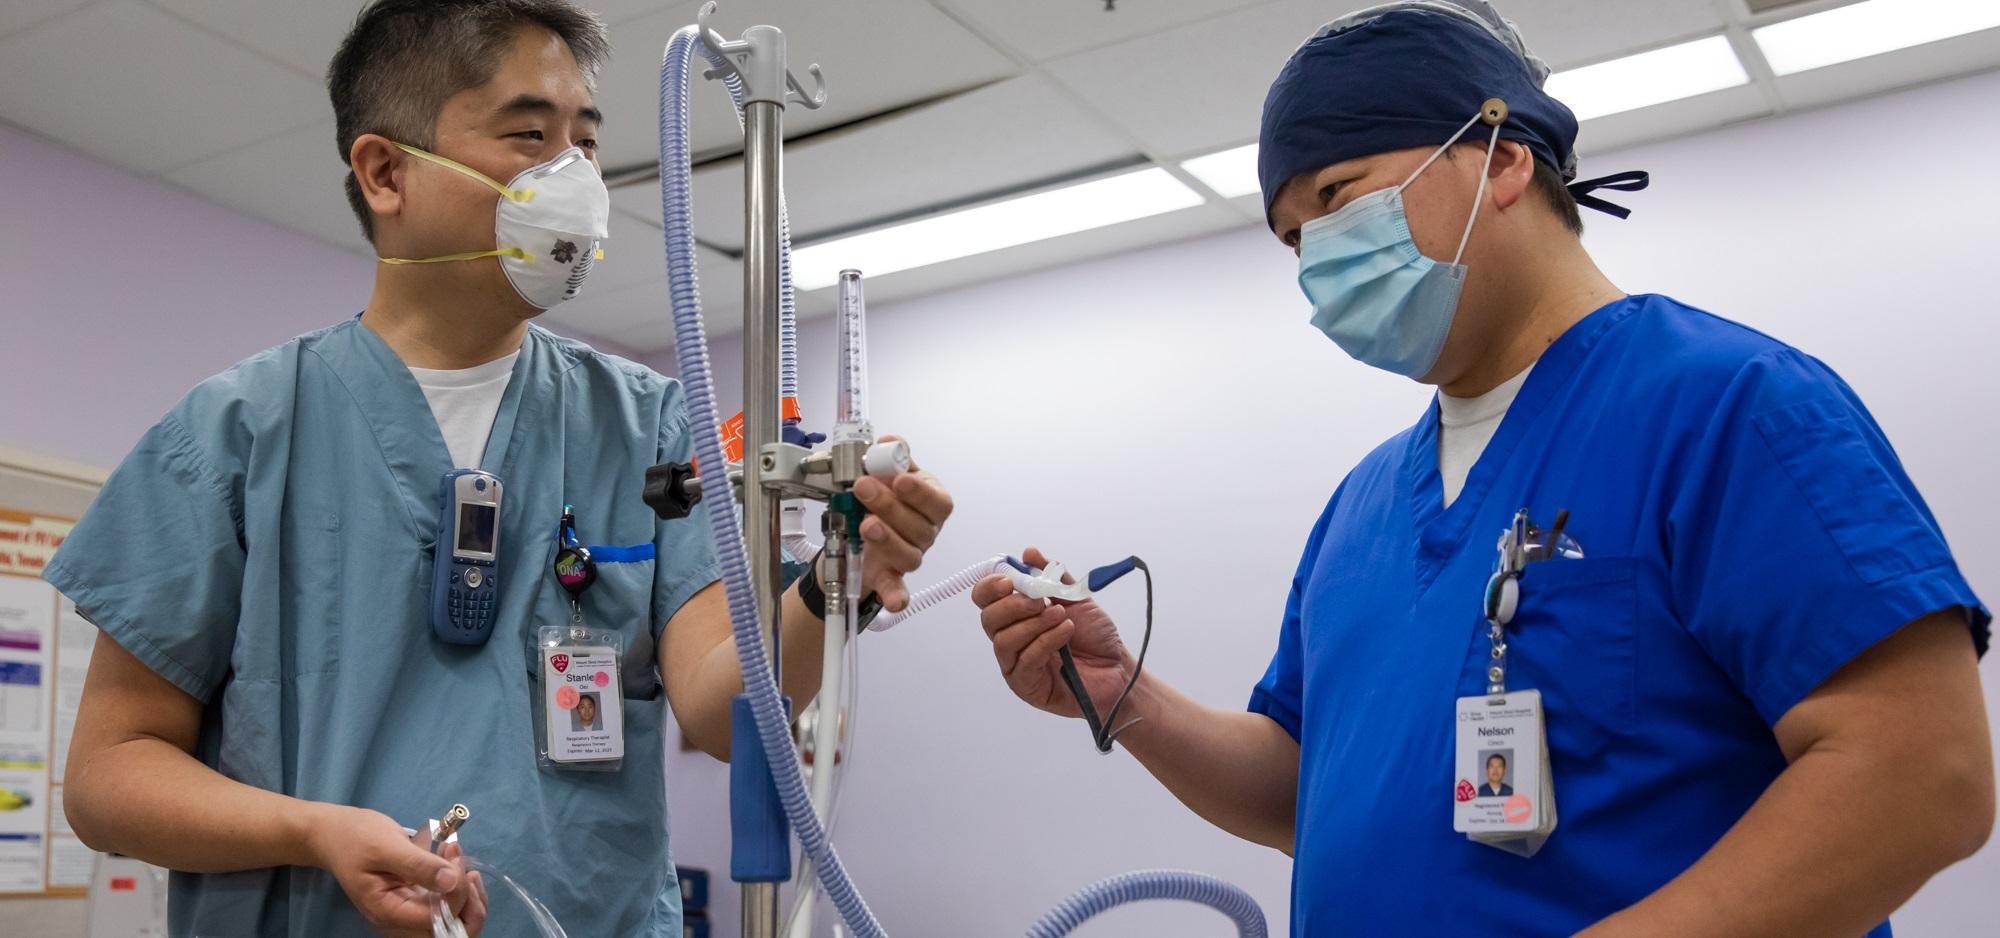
column 225, row 98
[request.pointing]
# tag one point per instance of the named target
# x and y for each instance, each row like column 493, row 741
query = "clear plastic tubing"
column 446, row 925
column 939, row 592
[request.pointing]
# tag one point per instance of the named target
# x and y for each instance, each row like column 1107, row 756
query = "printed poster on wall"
column 44, row 653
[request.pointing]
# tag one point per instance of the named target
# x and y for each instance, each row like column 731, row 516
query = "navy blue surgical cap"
column 1410, row 76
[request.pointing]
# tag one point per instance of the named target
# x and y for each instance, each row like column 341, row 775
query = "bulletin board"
column 44, row 653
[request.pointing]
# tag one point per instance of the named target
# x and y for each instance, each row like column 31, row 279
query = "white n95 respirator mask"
column 547, row 229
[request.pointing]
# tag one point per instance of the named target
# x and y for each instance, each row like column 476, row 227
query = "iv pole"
column 772, row 470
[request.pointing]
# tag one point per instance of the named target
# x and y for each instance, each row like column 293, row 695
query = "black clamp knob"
column 668, row 491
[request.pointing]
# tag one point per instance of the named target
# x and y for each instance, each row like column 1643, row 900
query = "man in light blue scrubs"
column 1757, row 660
column 268, row 706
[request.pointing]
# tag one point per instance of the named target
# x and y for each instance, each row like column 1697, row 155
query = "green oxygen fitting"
column 849, row 508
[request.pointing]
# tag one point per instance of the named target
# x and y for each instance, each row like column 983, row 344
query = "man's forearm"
column 1238, row 770
column 145, row 798
column 703, row 710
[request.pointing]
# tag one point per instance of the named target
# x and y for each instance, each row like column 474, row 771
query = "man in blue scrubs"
column 268, row 707
column 1756, row 657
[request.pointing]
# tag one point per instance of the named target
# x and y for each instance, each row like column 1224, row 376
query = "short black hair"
column 1556, row 193
column 1489, row 759
column 1547, row 181
column 404, row 58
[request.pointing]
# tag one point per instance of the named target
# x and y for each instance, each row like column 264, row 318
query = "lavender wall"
column 118, row 294
column 121, row 293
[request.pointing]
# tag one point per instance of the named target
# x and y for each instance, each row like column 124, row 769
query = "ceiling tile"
column 640, row 317
column 1569, row 33
column 294, row 180
column 1149, row 86
column 75, row 81
column 300, row 33
column 631, row 255
column 17, row 15
column 1044, row 29
column 1014, row 133
column 900, row 52
column 1199, row 87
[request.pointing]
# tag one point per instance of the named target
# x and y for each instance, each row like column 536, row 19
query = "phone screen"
column 475, row 528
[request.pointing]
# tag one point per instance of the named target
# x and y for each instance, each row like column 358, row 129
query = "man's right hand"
column 1027, row 633
column 389, row 878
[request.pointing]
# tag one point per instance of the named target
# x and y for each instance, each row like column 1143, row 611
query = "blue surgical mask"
column 1373, row 293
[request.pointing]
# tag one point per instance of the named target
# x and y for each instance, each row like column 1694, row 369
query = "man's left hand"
column 903, row 521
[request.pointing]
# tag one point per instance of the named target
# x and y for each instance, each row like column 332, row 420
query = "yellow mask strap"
column 516, row 253
column 513, row 195
column 467, row 256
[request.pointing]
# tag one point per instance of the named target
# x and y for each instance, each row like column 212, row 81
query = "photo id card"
column 1502, row 791
column 582, row 704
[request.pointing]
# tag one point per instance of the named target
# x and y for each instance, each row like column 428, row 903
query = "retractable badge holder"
column 1505, row 791
column 579, row 682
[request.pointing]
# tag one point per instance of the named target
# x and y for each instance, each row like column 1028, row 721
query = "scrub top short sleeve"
column 1800, row 542
column 1280, row 695
column 157, row 562
column 686, row 540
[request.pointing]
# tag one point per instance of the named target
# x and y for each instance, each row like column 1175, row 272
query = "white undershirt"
column 465, row 401
column 1466, row 425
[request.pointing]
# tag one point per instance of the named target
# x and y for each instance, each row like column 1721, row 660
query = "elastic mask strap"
column 1478, row 197
column 512, row 195
column 1440, row 150
column 519, row 253
column 516, row 253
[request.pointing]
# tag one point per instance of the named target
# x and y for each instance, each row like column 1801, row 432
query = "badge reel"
column 578, row 684
column 1504, row 796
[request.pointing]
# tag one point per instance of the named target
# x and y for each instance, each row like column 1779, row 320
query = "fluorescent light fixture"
column 1869, row 28
column 1649, row 78
column 1230, row 172
column 990, row 227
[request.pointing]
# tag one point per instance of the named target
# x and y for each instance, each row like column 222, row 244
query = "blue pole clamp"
column 760, row 844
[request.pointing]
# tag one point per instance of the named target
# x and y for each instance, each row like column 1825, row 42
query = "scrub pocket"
column 1573, row 638
column 623, row 600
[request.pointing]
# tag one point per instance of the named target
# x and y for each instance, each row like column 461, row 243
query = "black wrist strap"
column 814, row 595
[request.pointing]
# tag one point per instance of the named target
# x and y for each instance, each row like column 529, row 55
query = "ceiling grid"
column 939, row 103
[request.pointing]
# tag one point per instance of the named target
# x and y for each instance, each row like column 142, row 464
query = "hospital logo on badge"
column 1517, row 810
column 1465, row 791
column 560, row 663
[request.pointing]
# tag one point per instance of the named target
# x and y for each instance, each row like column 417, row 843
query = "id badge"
column 581, row 703
column 1503, row 794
